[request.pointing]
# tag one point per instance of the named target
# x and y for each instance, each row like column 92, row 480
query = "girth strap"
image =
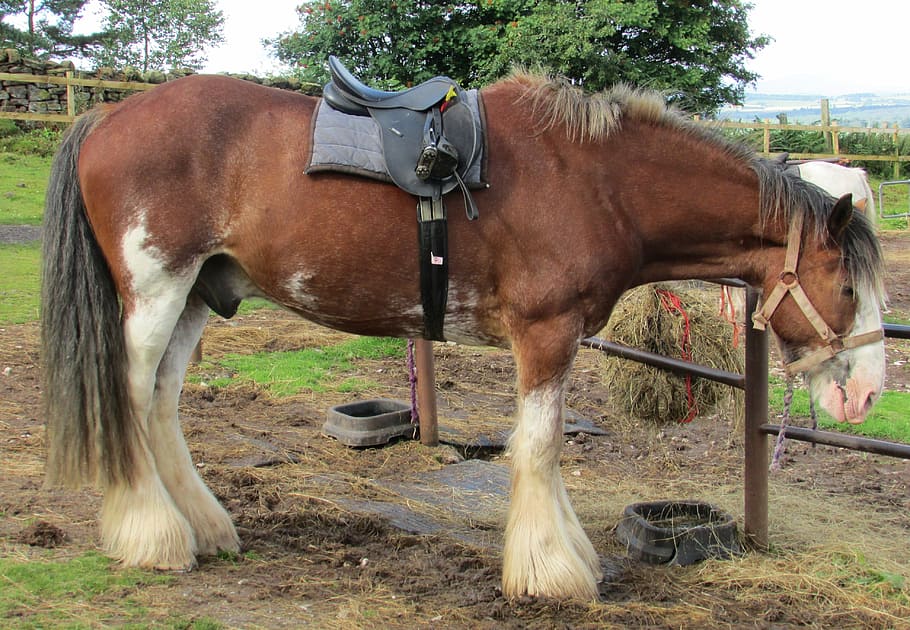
column 433, row 244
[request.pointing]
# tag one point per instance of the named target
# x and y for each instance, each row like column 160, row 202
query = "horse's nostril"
column 870, row 400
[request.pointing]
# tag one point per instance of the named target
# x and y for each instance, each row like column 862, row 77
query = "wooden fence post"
column 895, row 138
column 826, row 123
column 426, row 392
column 70, row 96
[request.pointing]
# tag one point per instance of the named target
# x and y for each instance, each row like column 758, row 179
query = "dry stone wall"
column 38, row 98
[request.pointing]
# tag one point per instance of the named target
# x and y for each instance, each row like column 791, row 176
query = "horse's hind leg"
column 210, row 522
column 140, row 523
column 546, row 551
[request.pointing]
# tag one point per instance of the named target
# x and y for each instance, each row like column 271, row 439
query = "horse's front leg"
column 546, row 551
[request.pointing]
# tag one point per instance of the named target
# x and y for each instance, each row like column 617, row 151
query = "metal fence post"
column 755, row 441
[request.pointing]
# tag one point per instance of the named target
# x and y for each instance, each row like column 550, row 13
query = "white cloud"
column 246, row 24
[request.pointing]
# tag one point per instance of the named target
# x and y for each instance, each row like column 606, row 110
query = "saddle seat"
column 346, row 93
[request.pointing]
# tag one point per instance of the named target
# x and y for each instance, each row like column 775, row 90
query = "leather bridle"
column 788, row 283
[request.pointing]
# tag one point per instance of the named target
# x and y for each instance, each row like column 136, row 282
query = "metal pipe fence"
column 754, row 382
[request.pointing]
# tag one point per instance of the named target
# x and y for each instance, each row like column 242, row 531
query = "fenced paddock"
column 231, row 482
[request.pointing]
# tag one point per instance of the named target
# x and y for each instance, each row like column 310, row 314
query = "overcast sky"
column 821, row 46
column 832, row 47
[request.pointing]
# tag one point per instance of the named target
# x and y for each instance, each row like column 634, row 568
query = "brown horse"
column 192, row 196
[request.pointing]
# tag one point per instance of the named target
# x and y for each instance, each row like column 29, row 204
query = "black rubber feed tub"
column 677, row 532
column 369, row 422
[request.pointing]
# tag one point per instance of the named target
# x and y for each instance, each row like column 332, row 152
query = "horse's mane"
column 594, row 116
column 787, row 192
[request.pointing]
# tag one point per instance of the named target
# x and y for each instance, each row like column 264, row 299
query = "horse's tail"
column 86, row 400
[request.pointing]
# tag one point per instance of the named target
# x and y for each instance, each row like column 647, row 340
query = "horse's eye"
column 847, row 292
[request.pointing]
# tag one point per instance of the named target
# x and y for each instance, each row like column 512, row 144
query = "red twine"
column 671, row 302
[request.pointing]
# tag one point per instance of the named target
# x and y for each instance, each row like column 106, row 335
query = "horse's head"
column 823, row 303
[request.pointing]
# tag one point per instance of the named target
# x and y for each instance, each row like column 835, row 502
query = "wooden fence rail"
column 71, row 82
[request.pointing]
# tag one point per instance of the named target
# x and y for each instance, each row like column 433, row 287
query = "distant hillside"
column 855, row 110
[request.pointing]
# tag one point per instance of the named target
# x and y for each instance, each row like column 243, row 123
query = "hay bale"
column 643, row 319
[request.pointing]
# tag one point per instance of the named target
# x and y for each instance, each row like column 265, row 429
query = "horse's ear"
column 841, row 215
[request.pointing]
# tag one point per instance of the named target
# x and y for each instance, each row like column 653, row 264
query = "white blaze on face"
column 847, row 385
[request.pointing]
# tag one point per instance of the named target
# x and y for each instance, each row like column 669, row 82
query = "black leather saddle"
column 429, row 134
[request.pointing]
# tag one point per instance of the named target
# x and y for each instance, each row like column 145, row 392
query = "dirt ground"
column 320, row 551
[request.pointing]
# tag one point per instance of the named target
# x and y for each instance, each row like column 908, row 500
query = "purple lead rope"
column 780, row 443
column 412, row 379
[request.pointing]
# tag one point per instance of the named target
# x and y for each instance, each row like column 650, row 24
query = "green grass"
column 23, row 180
column 895, row 319
column 71, row 593
column 20, row 283
column 889, row 419
column 254, row 304
column 895, row 200
column 856, row 569
column 316, row 369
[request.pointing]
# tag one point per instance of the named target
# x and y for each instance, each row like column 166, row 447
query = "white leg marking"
column 211, row 523
column 140, row 523
column 546, row 550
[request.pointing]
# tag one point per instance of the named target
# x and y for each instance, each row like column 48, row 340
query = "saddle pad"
column 345, row 143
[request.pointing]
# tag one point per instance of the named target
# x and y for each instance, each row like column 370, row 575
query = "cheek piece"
column 788, row 283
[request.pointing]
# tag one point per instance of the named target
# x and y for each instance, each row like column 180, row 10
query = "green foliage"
column 694, row 51
column 23, row 179
column 316, row 369
column 875, row 144
column 8, row 128
column 48, row 593
column 856, row 569
column 49, row 28
column 42, row 141
column 159, row 35
column 801, row 141
column 20, row 286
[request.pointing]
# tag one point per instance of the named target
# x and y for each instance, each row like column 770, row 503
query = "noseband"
column 789, row 283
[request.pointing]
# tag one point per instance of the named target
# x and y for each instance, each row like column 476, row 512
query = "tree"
column 694, row 51
column 48, row 28
column 395, row 43
column 161, row 34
